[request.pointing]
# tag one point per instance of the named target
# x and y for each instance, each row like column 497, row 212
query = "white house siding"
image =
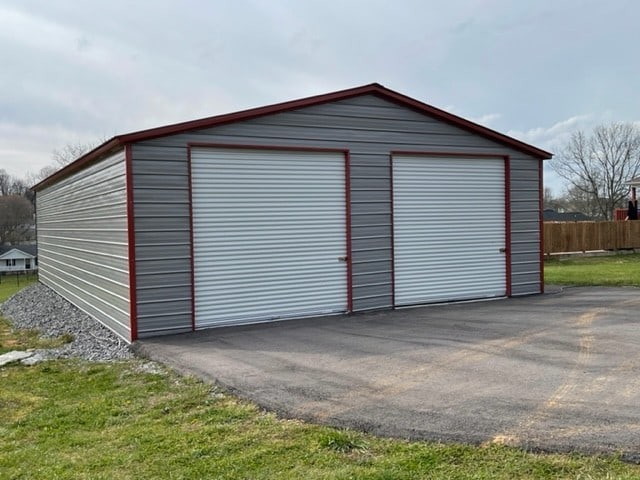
column 370, row 128
column 16, row 261
column 82, row 241
column 15, row 265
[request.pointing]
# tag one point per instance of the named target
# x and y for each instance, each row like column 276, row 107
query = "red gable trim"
column 373, row 88
column 466, row 124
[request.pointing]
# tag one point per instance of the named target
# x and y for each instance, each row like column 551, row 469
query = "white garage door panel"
column 269, row 228
column 449, row 227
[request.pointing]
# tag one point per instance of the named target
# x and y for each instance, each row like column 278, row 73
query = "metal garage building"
column 344, row 202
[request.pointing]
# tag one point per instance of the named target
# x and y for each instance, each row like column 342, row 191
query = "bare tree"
column 16, row 219
column 19, row 187
column 5, row 182
column 61, row 158
column 73, row 151
column 599, row 165
column 34, row 178
column 554, row 203
column 10, row 185
column 577, row 200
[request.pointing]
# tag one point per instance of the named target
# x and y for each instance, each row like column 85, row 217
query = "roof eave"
column 373, row 88
column 248, row 114
column 26, row 254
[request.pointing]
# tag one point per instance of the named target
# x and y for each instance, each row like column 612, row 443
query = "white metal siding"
column 83, row 243
column 449, row 227
column 269, row 228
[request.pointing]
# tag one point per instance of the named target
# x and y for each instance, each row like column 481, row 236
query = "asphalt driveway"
column 556, row 372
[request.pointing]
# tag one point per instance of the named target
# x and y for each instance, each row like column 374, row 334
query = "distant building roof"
column 28, row 249
column 634, row 182
column 551, row 215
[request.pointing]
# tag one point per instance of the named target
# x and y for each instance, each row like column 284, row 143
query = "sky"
column 81, row 72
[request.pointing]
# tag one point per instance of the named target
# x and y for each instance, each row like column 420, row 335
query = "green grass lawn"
column 136, row 420
column 11, row 339
column 10, row 284
column 69, row 419
column 613, row 270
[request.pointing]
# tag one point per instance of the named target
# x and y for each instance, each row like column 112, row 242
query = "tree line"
column 16, row 210
column 17, row 200
column 597, row 167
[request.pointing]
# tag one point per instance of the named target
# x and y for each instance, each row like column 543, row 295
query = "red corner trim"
column 131, row 240
column 541, row 223
column 507, row 222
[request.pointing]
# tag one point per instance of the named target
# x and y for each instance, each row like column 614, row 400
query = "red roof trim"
column 373, row 88
column 465, row 124
column 541, row 222
column 248, row 114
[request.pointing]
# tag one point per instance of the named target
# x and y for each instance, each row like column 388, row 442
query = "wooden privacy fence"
column 584, row 236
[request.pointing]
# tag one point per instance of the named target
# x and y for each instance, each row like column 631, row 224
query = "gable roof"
column 28, row 250
column 119, row 141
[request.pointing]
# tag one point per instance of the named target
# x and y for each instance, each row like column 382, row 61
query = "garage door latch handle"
column 342, row 259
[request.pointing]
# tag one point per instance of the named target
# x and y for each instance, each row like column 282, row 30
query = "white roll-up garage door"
column 269, row 234
column 449, row 228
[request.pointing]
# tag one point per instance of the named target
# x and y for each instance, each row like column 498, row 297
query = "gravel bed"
column 39, row 307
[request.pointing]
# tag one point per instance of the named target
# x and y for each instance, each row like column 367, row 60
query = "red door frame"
column 507, row 204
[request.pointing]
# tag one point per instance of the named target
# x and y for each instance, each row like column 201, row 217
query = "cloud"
column 53, row 42
column 553, row 136
column 486, row 119
column 29, row 148
column 74, row 71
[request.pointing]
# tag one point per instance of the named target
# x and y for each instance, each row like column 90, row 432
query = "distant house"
column 18, row 258
column 551, row 215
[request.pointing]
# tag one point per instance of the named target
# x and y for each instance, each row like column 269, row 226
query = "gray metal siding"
column 163, row 241
column 83, row 243
column 525, row 226
column 370, row 128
